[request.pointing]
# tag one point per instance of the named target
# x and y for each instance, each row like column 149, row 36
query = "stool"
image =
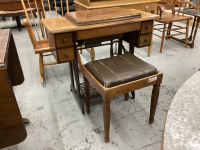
column 120, row 75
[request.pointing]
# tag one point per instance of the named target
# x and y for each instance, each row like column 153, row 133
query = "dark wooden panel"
column 12, row 130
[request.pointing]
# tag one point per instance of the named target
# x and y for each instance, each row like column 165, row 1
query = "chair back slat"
column 33, row 19
column 49, row 8
column 56, row 8
column 179, row 5
column 67, row 5
column 184, row 9
column 61, row 6
column 33, row 6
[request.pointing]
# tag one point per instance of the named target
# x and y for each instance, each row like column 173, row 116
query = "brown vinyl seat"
column 111, row 72
column 119, row 75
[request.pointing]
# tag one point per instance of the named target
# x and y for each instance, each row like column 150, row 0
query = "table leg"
column 76, row 73
column 132, row 42
column 71, row 75
column 119, row 47
column 19, row 25
column 169, row 32
column 197, row 25
column 25, row 120
column 190, row 38
column 149, row 48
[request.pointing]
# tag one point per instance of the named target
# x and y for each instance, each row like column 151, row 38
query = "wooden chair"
column 119, row 75
column 41, row 46
column 169, row 18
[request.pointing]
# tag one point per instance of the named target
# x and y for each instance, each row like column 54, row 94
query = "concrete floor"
column 56, row 120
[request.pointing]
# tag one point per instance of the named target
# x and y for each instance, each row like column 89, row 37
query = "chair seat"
column 121, row 69
column 169, row 17
column 43, row 47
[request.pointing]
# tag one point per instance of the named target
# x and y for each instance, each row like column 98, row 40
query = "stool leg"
column 106, row 116
column 154, row 101
column 126, row 96
column 87, row 95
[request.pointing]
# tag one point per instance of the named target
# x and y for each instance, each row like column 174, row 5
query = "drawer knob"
column 64, row 40
column 147, row 27
column 147, row 7
column 66, row 55
column 145, row 40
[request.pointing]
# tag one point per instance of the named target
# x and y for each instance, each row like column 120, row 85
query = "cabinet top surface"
column 4, row 39
column 61, row 24
column 111, row 3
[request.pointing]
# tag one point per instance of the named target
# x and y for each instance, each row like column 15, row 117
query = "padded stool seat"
column 121, row 69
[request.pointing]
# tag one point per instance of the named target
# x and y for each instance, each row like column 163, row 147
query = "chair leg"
column 154, row 101
column 87, row 95
column 92, row 54
column 163, row 37
column 133, row 94
column 35, row 15
column 4, row 19
column 169, row 27
column 126, row 96
column 190, row 38
column 106, row 115
column 81, row 51
column 187, row 29
column 41, row 67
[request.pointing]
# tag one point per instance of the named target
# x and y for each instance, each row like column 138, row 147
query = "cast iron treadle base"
column 95, row 97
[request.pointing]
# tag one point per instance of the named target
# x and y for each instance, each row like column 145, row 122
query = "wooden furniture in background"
column 12, row 130
column 144, row 5
column 119, row 75
column 13, row 8
column 59, row 28
column 169, row 18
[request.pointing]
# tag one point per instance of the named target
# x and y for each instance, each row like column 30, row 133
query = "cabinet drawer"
column 63, row 40
column 145, row 40
column 66, row 55
column 147, row 27
column 142, row 7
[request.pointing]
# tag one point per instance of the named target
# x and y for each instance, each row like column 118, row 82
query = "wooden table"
column 143, row 5
column 181, row 131
column 62, row 35
column 12, row 130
